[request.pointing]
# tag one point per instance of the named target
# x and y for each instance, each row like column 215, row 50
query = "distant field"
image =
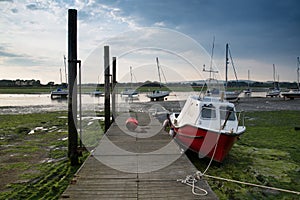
column 24, row 90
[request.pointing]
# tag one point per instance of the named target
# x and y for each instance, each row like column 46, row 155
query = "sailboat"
column 294, row 93
column 158, row 95
column 61, row 93
column 97, row 92
column 230, row 95
column 129, row 92
column 275, row 91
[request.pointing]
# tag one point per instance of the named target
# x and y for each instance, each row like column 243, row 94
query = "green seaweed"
column 267, row 154
column 36, row 165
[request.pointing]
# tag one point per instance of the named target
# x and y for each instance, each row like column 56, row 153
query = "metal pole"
column 114, row 82
column 80, row 107
column 107, row 89
column 72, row 96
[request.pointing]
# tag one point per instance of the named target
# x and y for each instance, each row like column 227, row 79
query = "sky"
column 184, row 35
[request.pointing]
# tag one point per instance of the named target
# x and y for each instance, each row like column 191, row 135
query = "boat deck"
column 146, row 165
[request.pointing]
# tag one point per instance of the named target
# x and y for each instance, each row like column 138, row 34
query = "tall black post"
column 114, row 82
column 226, row 66
column 72, row 96
column 107, row 88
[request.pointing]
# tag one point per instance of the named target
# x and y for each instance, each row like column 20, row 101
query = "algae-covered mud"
column 267, row 154
column 33, row 156
column 34, row 164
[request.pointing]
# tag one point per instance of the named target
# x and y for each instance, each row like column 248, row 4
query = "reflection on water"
column 31, row 103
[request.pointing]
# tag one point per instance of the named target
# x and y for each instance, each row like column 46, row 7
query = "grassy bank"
column 33, row 156
column 267, row 154
column 25, row 90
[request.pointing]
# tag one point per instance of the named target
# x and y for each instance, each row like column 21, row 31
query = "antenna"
column 212, row 53
column 211, row 71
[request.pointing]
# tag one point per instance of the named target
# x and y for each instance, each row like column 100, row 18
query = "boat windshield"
column 225, row 111
column 214, row 87
column 208, row 111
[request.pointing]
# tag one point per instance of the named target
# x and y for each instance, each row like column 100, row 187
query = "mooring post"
column 72, row 96
column 106, row 89
column 114, row 82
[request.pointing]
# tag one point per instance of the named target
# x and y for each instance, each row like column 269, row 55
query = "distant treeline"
column 37, row 83
column 26, row 83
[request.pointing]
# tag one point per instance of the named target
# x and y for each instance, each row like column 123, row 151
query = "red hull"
column 203, row 142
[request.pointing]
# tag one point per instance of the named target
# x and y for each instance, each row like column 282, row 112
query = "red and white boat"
column 208, row 126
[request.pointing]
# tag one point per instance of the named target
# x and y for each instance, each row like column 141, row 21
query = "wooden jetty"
column 141, row 174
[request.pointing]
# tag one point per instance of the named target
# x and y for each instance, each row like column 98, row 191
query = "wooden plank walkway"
column 144, row 164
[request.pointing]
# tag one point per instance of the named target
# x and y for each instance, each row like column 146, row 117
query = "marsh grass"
column 267, row 154
column 33, row 156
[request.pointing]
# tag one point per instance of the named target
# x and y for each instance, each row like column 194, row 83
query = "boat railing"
column 241, row 117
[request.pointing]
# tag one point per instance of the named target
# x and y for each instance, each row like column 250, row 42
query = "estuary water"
column 33, row 103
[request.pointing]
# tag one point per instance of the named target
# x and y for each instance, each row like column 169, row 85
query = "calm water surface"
column 28, row 103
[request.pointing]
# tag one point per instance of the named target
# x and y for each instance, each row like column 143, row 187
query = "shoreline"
column 244, row 104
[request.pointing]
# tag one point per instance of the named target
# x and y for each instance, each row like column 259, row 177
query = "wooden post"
column 72, row 96
column 114, row 82
column 226, row 66
column 107, row 89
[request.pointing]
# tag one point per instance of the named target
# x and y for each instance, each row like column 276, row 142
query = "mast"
column 274, row 76
column 298, row 69
column 226, row 66
column 130, row 77
column 60, row 76
column 65, row 69
column 248, row 78
column 157, row 63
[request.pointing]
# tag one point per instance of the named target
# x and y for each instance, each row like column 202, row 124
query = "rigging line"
column 163, row 74
column 233, row 66
column 252, row 184
column 134, row 77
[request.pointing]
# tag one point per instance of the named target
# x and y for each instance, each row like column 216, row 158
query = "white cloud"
column 159, row 24
column 39, row 30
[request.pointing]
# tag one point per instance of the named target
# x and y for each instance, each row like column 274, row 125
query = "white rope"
column 190, row 181
column 252, row 184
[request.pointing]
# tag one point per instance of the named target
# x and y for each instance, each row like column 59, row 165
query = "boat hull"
column 59, row 94
column 158, row 95
column 291, row 95
column 205, row 142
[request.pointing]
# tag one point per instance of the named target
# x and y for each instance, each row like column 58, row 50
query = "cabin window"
column 225, row 111
column 208, row 111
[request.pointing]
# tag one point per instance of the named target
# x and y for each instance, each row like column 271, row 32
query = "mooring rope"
column 190, row 180
column 252, row 184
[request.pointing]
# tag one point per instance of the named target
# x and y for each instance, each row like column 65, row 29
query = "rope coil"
column 191, row 180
